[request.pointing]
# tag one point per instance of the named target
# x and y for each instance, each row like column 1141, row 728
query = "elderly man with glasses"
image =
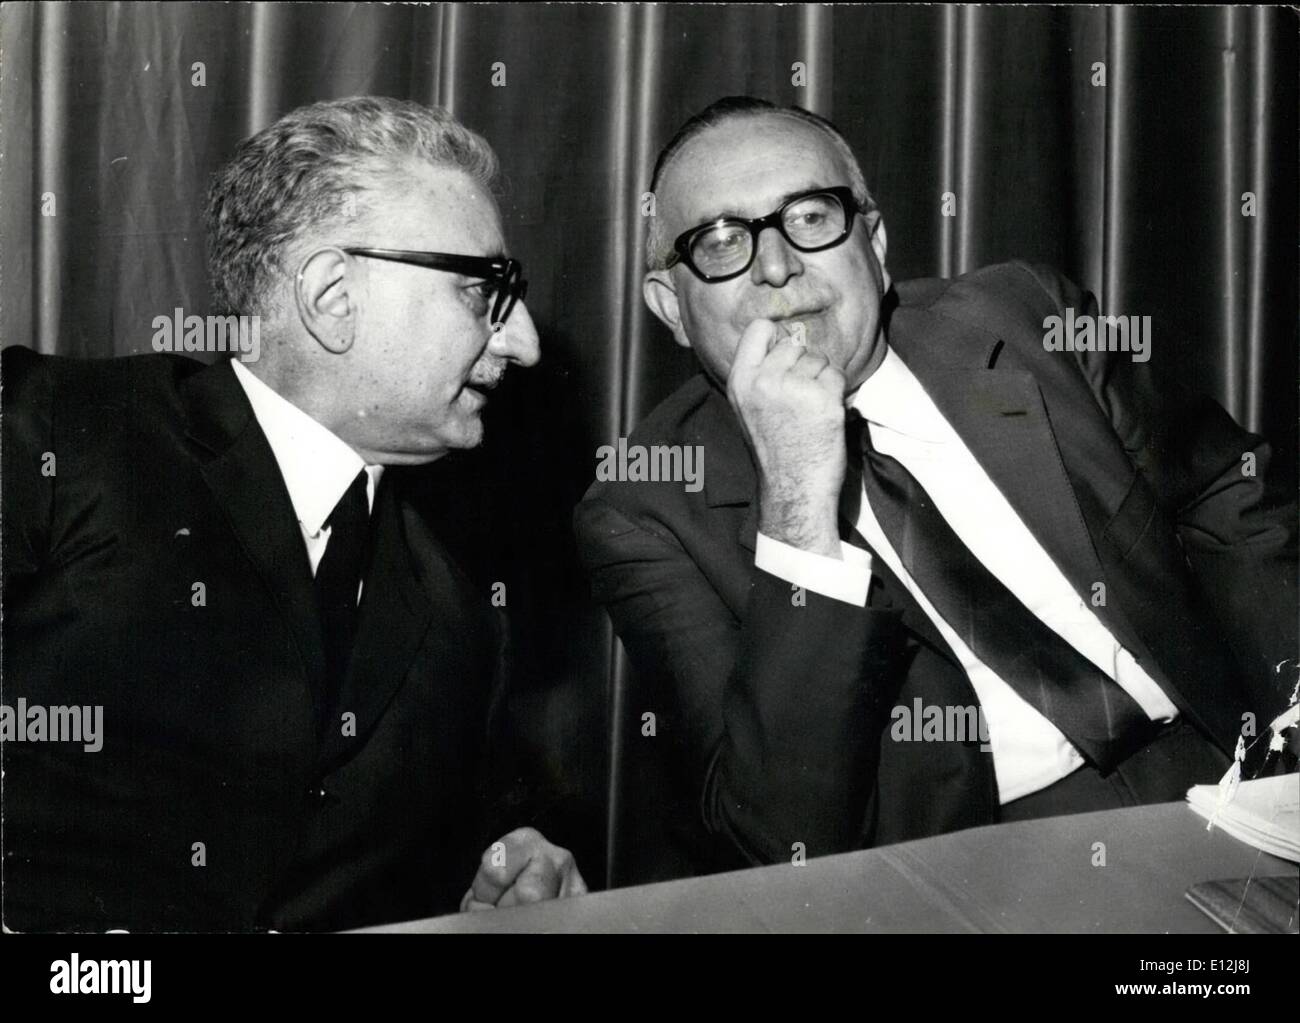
column 939, row 574
column 299, row 686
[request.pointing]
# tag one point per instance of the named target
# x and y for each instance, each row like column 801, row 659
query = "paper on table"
column 1264, row 812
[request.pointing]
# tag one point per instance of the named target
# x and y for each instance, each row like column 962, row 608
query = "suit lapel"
column 1064, row 484
column 410, row 573
column 393, row 616
column 241, row 471
column 410, row 576
column 1003, row 419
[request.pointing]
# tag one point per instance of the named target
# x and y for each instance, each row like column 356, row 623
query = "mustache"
column 792, row 310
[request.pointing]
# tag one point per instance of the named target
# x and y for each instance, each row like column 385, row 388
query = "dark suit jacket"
column 163, row 479
column 777, row 711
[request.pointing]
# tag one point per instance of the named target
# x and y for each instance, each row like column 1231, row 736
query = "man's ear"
column 661, row 296
column 879, row 240
column 326, row 307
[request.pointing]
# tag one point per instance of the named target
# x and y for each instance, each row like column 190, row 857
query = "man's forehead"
column 748, row 166
column 437, row 209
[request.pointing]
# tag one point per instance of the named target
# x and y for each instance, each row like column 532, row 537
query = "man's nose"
column 776, row 260
column 517, row 339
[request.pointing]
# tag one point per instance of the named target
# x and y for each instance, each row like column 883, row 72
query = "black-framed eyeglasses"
column 810, row 221
column 505, row 276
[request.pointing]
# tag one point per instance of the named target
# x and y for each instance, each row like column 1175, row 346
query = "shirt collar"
column 892, row 397
column 317, row 465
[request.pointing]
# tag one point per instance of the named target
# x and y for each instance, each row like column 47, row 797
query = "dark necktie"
column 338, row 575
column 1093, row 712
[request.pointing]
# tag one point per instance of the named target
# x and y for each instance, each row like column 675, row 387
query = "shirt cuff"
column 845, row 580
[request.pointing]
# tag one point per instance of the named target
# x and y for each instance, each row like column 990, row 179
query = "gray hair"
column 311, row 171
column 658, row 247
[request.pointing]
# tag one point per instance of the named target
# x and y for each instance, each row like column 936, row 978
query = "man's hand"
column 522, row 867
column 790, row 401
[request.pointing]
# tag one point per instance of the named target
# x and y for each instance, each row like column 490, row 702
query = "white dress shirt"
column 1029, row 752
column 317, row 466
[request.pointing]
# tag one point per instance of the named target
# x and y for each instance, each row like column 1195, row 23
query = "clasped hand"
column 520, row 868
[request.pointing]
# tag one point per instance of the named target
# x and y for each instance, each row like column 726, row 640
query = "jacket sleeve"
column 782, row 709
column 1237, row 530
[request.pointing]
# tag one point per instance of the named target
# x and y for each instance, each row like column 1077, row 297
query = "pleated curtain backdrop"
column 1133, row 184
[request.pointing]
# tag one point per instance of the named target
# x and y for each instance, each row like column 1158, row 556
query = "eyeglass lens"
column 807, row 223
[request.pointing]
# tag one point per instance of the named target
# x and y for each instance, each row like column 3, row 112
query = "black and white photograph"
column 649, row 469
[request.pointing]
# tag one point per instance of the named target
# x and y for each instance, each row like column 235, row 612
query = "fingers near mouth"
column 795, row 331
